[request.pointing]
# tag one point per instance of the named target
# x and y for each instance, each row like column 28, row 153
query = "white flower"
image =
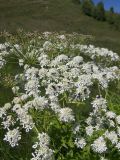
column 40, row 103
column 44, row 139
column 16, row 100
column 15, row 89
column 24, row 97
column 78, row 59
column 110, row 115
column 43, row 153
column 4, row 109
column 89, row 130
column 118, row 146
column 102, row 158
column 118, row 119
column 99, row 103
column 42, row 73
column 2, row 112
column 7, row 106
column 76, row 129
column 21, row 62
column 66, row 115
column 99, row 145
column 17, row 46
column 80, row 142
column 89, row 120
column 8, row 122
column 112, row 124
column 112, row 136
column 118, row 131
column 13, row 136
column 61, row 58
column 26, row 121
column 55, row 107
column 32, row 87
column 43, row 60
column 62, row 37
column 47, row 45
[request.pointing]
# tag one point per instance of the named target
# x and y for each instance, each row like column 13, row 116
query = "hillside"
column 55, row 15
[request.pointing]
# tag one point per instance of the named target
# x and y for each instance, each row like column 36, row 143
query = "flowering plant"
column 60, row 105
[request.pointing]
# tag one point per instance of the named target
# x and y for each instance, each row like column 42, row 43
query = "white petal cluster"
column 42, row 151
column 89, row 130
column 94, row 52
column 110, row 115
column 40, row 103
column 99, row 145
column 80, row 142
column 7, row 122
column 66, row 115
column 13, row 136
column 21, row 62
column 24, row 118
column 99, row 103
column 112, row 136
column 118, row 119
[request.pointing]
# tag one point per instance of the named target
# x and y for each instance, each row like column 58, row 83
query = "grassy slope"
column 55, row 15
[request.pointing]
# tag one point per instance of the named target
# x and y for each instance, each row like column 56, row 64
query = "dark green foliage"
column 117, row 21
column 90, row 9
column 87, row 7
column 99, row 12
column 112, row 10
column 110, row 16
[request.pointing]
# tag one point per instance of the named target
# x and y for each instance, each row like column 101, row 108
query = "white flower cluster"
column 13, row 136
column 105, row 121
column 94, row 52
column 42, row 150
column 56, row 81
column 66, row 115
column 3, row 53
column 80, row 143
column 99, row 145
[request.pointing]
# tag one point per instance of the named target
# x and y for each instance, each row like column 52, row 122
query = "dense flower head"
column 13, row 136
column 80, row 142
column 99, row 103
column 99, row 145
column 42, row 150
column 66, row 115
column 112, row 136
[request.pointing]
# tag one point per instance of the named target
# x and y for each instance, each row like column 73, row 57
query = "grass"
column 55, row 15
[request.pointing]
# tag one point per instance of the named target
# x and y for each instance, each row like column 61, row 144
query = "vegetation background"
column 56, row 15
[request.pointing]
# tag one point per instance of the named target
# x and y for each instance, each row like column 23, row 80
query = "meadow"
column 59, row 15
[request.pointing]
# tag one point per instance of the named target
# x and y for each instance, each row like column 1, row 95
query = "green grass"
column 55, row 15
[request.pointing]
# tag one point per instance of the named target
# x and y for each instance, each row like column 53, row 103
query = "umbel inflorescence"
column 57, row 72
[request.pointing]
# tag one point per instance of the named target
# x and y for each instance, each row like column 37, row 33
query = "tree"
column 112, row 10
column 117, row 21
column 111, row 16
column 87, row 7
column 99, row 12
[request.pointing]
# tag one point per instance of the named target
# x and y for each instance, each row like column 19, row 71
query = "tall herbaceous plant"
column 62, row 100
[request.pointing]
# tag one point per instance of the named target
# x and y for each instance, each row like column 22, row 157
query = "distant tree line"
column 98, row 12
